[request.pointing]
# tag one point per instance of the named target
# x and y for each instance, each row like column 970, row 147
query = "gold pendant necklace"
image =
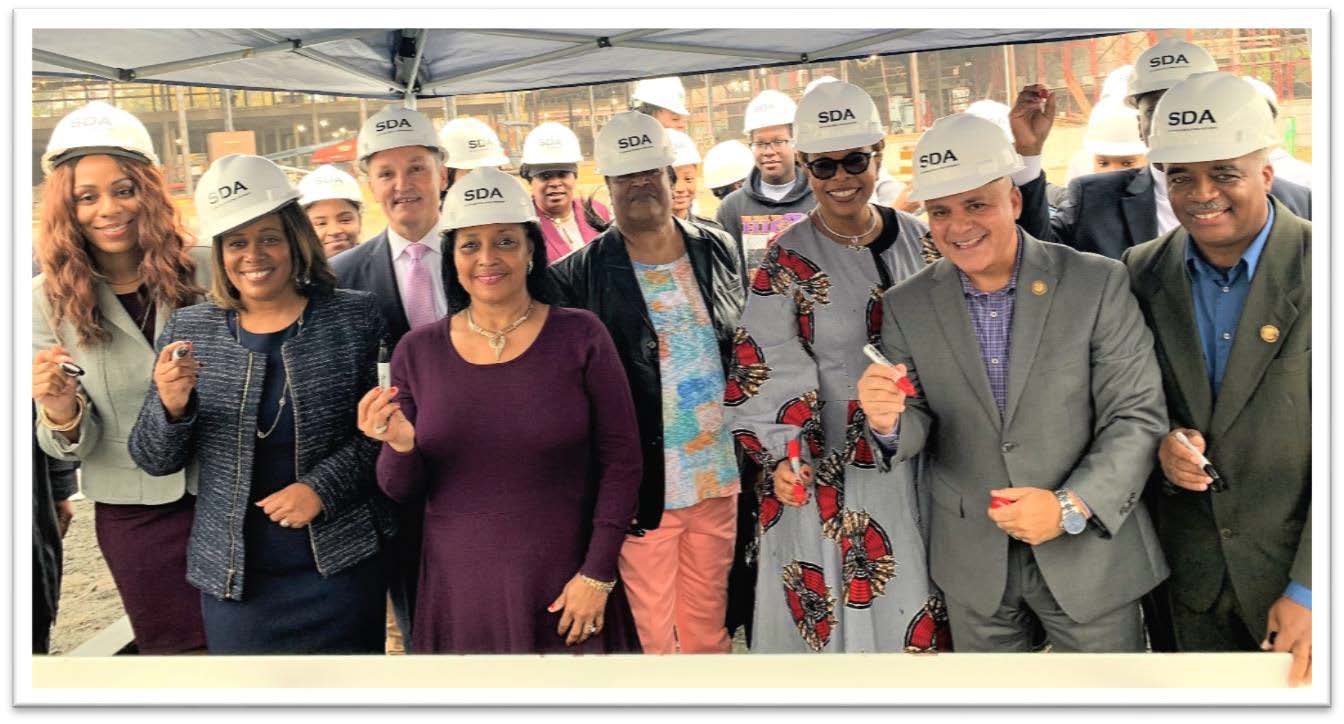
column 497, row 339
column 853, row 243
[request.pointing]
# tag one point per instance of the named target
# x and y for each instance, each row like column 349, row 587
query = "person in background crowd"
column 115, row 263
column 998, row 114
column 284, row 546
column 833, row 535
column 540, row 516
column 1038, row 442
column 776, row 194
column 1109, row 213
column 334, row 203
column 686, row 179
column 54, row 482
column 1112, row 138
column 1286, row 166
column 551, row 157
column 400, row 154
column 664, row 99
column 468, row 143
column 1228, row 297
column 670, row 293
column 727, row 166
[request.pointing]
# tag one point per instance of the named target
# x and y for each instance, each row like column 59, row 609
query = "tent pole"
column 590, row 45
column 285, row 46
column 709, row 109
column 106, row 72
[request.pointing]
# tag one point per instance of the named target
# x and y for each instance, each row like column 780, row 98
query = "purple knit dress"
column 531, row 469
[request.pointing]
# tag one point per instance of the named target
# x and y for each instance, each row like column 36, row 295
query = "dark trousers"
column 1028, row 606
column 402, row 563
column 1220, row 628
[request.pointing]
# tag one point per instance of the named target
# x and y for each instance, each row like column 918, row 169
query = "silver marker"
column 1217, row 484
column 72, row 369
column 180, row 352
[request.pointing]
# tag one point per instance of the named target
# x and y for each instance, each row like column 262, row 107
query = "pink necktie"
column 420, row 292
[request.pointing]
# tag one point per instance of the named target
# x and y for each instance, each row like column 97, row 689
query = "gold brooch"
column 1269, row 333
column 1038, row 288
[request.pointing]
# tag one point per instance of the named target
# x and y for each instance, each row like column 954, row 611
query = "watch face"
column 1074, row 523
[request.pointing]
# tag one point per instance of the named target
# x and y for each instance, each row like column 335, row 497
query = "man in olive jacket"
column 1228, row 298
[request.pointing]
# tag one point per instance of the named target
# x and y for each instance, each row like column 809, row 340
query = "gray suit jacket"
column 117, row 374
column 1084, row 410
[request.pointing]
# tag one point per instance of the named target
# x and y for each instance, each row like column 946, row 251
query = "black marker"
column 1217, row 484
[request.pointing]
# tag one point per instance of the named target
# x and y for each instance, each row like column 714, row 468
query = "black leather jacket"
column 600, row 278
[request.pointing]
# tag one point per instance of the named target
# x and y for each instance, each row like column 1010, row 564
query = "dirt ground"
column 89, row 601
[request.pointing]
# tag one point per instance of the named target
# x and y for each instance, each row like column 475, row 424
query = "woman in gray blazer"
column 259, row 388
column 115, row 263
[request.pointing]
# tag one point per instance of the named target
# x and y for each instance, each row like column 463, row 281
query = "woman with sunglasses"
column 842, row 563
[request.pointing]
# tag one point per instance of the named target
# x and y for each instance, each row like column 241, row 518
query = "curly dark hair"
column 538, row 281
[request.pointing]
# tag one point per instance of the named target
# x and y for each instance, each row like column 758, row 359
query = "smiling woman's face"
column 257, row 260
column 107, row 205
column 491, row 262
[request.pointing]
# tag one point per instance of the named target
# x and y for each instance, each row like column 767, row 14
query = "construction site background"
column 300, row 131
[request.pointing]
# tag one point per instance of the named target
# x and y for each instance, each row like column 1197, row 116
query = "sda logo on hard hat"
column 1190, row 118
column 478, row 143
column 835, row 116
column 77, row 122
column 937, row 158
column 1163, row 61
column 630, row 143
column 395, row 124
column 227, row 193
column 482, row 194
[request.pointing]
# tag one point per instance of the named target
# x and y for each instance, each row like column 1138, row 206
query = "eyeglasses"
column 778, row 144
column 854, row 164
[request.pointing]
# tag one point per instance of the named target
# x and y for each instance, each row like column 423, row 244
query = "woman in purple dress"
column 514, row 420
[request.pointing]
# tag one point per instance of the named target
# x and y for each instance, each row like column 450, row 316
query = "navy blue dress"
column 288, row 607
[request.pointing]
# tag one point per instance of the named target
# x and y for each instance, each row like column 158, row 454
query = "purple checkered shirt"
column 992, row 318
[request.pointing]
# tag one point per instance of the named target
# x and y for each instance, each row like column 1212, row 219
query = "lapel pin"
column 1269, row 333
column 1038, row 288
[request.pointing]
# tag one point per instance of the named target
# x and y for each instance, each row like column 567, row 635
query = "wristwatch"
column 1070, row 519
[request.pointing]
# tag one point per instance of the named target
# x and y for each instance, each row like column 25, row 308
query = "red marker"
column 997, row 502
column 906, row 386
column 795, row 452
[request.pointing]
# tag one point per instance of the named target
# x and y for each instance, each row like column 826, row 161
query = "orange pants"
column 676, row 578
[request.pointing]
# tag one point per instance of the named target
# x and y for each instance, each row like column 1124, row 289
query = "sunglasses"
column 854, row 164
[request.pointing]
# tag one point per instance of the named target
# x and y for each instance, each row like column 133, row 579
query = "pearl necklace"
column 497, row 339
column 853, row 243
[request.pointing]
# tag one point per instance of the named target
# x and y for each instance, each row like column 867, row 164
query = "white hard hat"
column 238, row 189
column 683, row 148
column 393, row 127
column 958, row 153
column 994, row 112
column 1116, row 84
column 1166, row 64
column 1113, row 130
column 1263, row 89
column 662, row 92
column 487, row 195
column 818, row 81
column 834, row 117
column 770, row 108
column 470, row 143
column 632, row 142
column 98, row 128
column 728, row 163
column 1209, row 117
column 551, row 143
column 328, row 182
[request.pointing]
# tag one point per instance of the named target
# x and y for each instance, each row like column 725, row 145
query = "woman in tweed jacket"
column 288, row 517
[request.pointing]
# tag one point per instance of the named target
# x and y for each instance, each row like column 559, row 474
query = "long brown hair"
column 63, row 251
column 312, row 274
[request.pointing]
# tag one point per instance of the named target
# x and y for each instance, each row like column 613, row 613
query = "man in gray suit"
column 1039, row 403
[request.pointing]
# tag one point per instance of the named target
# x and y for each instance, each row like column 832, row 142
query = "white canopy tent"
column 429, row 63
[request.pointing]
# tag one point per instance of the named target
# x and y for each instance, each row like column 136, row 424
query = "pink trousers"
column 677, row 578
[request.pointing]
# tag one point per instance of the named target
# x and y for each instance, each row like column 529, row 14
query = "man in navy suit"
column 402, row 266
column 1109, row 212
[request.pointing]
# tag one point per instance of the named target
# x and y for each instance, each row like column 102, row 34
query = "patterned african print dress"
column 847, row 571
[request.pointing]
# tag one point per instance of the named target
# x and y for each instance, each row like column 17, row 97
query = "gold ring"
column 592, row 629
column 284, row 523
